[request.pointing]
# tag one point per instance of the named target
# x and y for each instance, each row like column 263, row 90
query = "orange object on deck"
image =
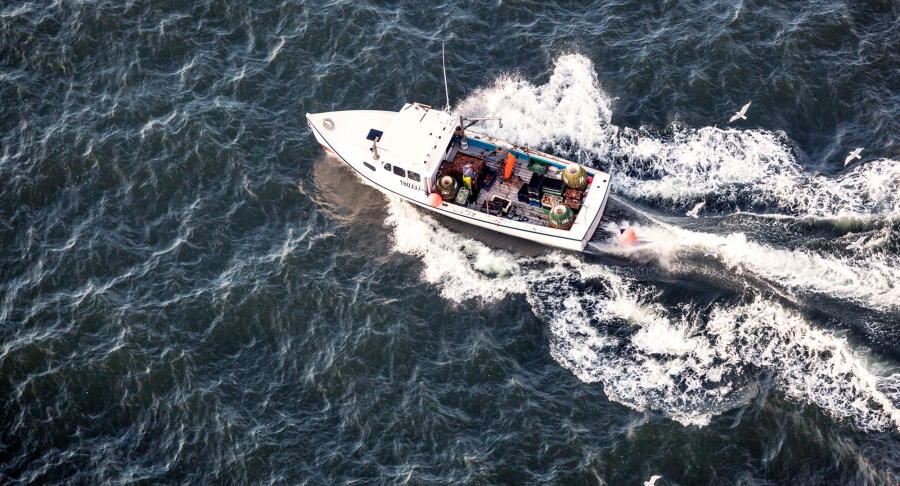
column 510, row 163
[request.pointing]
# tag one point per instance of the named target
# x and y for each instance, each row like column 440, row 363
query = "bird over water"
column 741, row 114
column 853, row 155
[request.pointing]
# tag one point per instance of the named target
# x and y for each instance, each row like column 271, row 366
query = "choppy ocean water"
column 192, row 292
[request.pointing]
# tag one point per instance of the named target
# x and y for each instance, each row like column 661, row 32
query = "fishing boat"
column 432, row 159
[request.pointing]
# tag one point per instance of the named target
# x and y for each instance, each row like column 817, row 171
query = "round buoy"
column 628, row 236
column 575, row 177
column 435, row 199
column 561, row 217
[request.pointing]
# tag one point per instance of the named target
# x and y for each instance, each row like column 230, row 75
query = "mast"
column 446, row 90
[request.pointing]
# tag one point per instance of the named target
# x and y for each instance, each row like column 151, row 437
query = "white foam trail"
column 693, row 368
column 867, row 278
column 463, row 268
column 690, row 367
column 607, row 328
column 572, row 113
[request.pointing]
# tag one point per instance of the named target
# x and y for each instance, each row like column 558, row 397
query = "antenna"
column 446, row 90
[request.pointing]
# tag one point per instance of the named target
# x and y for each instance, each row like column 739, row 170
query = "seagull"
column 853, row 155
column 857, row 244
column 713, row 253
column 652, row 480
column 740, row 114
column 693, row 212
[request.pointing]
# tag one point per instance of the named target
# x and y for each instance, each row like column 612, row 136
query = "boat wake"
column 727, row 168
column 869, row 279
column 691, row 362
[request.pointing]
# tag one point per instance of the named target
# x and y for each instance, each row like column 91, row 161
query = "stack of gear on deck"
column 462, row 197
column 575, row 177
column 538, row 166
column 447, row 187
column 494, row 208
column 561, row 217
column 534, row 189
column 506, row 203
column 573, row 198
column 552, row 186
column 522, row 195
column 549, row 201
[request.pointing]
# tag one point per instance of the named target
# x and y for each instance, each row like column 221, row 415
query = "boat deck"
column 506, row 188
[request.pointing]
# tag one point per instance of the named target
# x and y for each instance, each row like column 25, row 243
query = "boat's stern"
column 597, row 199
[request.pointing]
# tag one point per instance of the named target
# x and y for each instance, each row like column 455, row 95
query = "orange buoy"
column 435, row 199
column 510, row 163
column 627, row 236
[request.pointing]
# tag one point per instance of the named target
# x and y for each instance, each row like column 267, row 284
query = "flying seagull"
column 857, row 244
column 693, row 212
column 740, row 114
column 652, row 480
column 713, row 253
column 853, row 155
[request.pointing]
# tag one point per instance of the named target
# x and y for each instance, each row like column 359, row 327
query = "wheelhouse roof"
column 419, row 134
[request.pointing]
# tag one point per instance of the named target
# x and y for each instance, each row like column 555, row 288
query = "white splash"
column 463, row 268
column 870, row 279
column 694, row 367
column 571, row 107
column 572, row 113
column 691, row 365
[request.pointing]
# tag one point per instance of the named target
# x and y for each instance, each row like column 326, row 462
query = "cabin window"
column 370, row 166
column 387, row 166
column 412, row 175
column 400, row 172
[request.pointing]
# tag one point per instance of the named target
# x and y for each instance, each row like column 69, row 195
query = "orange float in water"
column 628, row 235
column 435, row 199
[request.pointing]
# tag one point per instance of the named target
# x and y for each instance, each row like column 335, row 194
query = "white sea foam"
column 462, row 267
column 570, row 109
column 688, row 365
column 694, row 367
column 572, row 113
column 869, row 278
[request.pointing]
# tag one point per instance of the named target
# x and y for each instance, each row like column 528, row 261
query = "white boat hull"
column 343, row 141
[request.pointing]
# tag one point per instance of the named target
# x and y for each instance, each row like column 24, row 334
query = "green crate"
column 538, row 166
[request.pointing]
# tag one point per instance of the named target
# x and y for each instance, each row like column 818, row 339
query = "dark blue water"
column 192, row 292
